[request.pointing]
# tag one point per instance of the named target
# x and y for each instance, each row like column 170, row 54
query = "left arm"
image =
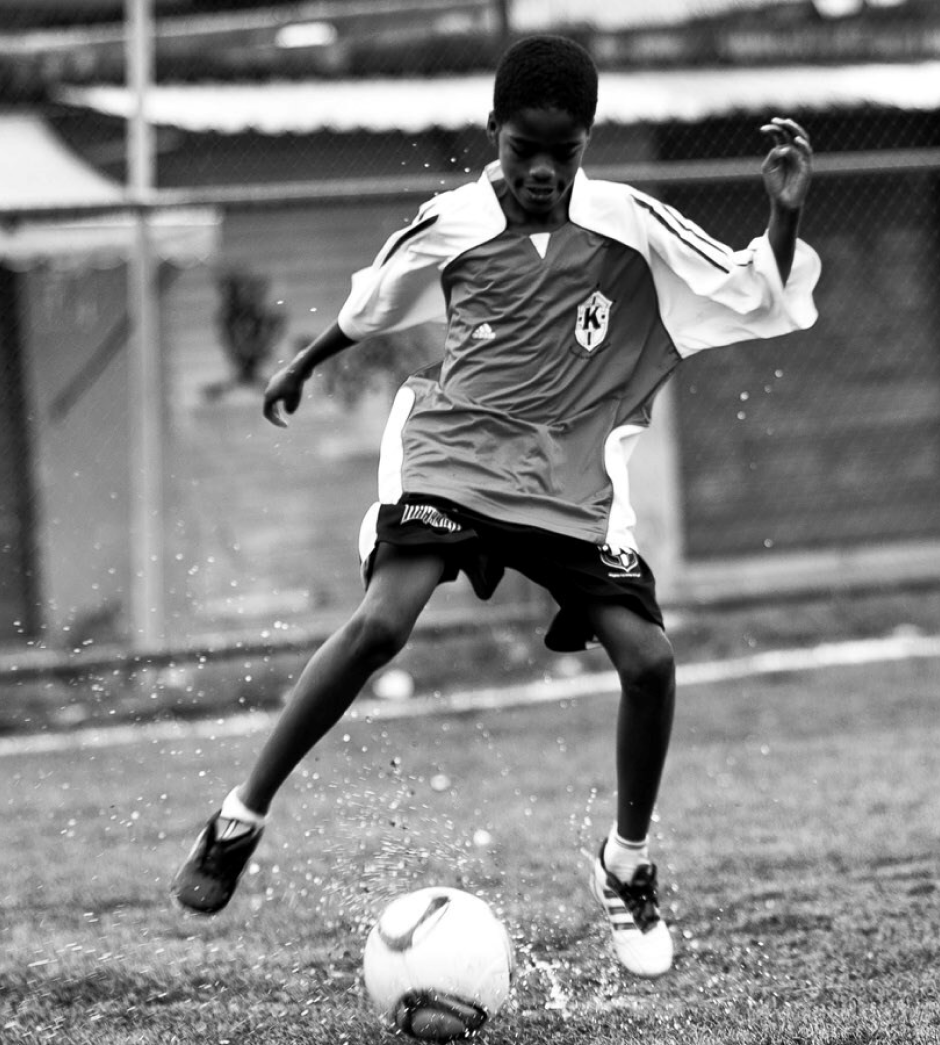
column 787, row 171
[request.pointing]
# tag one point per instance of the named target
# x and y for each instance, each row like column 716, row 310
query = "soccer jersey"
column 555, row 346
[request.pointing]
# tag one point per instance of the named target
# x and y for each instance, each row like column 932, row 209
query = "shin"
column 401, row 585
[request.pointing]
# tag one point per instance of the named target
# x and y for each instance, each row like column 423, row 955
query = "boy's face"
column 540, row 151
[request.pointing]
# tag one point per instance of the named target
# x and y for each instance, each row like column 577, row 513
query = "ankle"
column 622, row 856
column 234, row 808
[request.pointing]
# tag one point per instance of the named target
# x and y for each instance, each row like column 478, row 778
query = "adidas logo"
column 484, row 332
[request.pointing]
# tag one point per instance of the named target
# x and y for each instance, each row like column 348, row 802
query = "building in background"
column 68, row 407
column 814, row 462
column 44, row 43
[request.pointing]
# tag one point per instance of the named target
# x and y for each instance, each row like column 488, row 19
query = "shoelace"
column 219, row 847
column 639, row 896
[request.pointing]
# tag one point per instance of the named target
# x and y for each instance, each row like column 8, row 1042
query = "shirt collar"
column 493, row 173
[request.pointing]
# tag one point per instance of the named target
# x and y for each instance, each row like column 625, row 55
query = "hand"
column 284, row 387
column 789, row 164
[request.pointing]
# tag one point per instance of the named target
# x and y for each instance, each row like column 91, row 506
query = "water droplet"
column 394, row 684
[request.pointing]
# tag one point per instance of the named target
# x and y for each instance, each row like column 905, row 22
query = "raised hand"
column 788, row 167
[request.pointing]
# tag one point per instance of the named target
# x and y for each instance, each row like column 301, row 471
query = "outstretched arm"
column 787, row 171
column 287, row 384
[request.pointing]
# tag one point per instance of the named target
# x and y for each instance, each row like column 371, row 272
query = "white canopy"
column 549, row 15
column 413, row 105
column 38, row 170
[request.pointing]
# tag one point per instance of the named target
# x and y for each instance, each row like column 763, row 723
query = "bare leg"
column 643, row 657
column 402, row 582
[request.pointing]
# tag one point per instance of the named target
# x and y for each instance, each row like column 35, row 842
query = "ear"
column 492, row 128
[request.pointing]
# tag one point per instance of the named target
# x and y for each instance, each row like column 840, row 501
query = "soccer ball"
column 438, row 964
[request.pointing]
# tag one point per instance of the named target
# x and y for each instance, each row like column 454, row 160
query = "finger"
column 273, row 414
column 778, row 140
column 785, row 151
column 792, row 129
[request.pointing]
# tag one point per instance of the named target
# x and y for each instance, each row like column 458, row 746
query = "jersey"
column 555, row 345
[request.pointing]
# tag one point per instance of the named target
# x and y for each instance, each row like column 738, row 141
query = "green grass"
column 796, row 842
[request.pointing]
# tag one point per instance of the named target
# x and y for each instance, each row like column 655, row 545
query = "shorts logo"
column 428, row 515
column 621, row 563
column 590, row 329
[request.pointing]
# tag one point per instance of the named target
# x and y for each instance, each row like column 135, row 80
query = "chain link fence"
column 288, row 141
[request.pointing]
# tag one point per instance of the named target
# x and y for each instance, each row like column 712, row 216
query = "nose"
column 541, row 169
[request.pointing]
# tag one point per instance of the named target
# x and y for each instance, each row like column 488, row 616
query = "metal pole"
column 503, row 21
column 146, row 382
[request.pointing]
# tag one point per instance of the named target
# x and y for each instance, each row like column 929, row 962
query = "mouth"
column 540, row 195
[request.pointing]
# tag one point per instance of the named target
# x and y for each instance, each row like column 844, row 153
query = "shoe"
column 641, row 938
column 207, row 879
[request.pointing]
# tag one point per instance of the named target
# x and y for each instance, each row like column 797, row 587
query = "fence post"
column 501, row 9
column 146, row 381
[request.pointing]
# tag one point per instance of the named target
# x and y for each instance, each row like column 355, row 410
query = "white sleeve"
column 402, row 287
column 711, row 295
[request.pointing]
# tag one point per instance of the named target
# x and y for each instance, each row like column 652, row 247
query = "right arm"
column 400, row 290
column 286, row 386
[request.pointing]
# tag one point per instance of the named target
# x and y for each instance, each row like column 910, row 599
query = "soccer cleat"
column 207, row 879
column 641, row 938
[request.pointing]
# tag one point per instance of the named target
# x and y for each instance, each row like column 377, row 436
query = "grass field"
column 797, row 843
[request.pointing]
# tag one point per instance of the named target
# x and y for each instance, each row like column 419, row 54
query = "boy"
column 568, row 303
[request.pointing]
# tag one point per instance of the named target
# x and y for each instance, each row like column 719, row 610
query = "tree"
column 248, row 326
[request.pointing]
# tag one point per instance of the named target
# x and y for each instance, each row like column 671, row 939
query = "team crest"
column 619, row 563
column 593, row 318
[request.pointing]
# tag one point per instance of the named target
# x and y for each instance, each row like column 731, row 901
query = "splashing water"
column 388, row 843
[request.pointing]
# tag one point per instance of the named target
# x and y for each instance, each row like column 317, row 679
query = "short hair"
column 542, row 72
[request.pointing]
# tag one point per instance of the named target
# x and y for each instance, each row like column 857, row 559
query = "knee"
column 376, row 638
column 649, row 667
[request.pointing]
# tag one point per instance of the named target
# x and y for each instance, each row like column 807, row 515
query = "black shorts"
column 573, row 571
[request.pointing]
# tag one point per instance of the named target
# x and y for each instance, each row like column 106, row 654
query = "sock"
column 233, row 808
column 622, row 857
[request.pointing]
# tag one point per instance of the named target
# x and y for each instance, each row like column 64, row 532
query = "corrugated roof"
column 411, row 105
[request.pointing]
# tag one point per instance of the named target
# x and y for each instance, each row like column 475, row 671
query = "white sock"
column 622, row 857
column 233, row 808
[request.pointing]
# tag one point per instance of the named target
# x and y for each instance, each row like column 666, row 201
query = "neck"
column 525, row 221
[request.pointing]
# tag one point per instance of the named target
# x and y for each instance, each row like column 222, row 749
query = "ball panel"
column 404, row 926
column 429, row 1016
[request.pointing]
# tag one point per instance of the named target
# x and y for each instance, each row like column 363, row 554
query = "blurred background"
column 187, row 185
